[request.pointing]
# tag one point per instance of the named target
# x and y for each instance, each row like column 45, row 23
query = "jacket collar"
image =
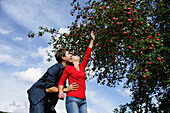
column 61, row 66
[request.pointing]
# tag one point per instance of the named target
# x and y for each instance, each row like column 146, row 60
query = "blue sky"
column 23, row 60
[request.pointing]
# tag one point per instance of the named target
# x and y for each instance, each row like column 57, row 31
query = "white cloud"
column 5, row 48
column 60, row 107
column 42, row 53
column 7, row 56
column 124, row 92
column 14, row 107
column 99, row 101
column 4, row 31
column 33, row 13
column 18, row 39
column 63, row 30
column 8, row 59
column 30, row 75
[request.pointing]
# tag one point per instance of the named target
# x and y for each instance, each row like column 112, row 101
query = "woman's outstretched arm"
column 92, row 39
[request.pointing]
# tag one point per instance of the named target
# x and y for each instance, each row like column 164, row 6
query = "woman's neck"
column 76, row 65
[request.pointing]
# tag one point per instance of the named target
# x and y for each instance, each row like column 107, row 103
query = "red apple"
column 78, row 16
column 128, row 9
column 159, row 58
column 141, row 52
column 146, row 70
column 140, row 23
column 118, row 23
column 74, row 26
column 150, row 63
column 75, row 7
column 129, row 13
column 100, row 8
column 132, row 2
column 129, row 47
column 156, row 67
column 150, row 47
column 143, row 76
column 84, row 16
column 91, row 18
column 32, row 34
column 113, row 18
column 113, row 61
column 134, row 19
column 129, row 19
column 136, row 54
column 150, row 42
column 121, row 29
column 149, row 36
column 124, row 33
column 64, row 34
column 109, row 53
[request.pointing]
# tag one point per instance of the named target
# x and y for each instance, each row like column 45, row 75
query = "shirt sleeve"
column 63, row 77
column 86, row 58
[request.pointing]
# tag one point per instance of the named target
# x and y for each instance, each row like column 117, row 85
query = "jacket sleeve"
column 52, row 75
column 86, row 58
column 63, row 77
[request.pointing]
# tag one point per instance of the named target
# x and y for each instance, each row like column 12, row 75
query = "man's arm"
column 73, row 86
column 61, row 93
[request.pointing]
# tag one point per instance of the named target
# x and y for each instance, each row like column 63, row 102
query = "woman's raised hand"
column 92, row 35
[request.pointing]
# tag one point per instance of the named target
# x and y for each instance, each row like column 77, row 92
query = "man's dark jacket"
column 48, row 80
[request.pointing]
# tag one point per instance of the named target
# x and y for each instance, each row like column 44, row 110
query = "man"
column 43, row 95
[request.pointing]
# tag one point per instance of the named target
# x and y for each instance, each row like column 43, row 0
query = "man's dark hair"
column 60, row 53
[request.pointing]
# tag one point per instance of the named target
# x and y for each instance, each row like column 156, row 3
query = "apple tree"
column 131, row 47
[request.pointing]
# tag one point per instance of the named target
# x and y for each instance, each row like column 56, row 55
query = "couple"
column 44, row 94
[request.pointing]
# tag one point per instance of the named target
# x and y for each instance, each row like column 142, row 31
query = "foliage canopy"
column 131, row 46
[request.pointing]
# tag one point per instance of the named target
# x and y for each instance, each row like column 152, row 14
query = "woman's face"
column 75, row 58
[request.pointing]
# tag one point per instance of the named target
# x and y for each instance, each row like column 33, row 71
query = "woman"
column 76, row 100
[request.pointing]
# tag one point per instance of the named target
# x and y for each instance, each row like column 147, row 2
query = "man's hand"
column 92, row 35
column 73, row 86
column 61, row 95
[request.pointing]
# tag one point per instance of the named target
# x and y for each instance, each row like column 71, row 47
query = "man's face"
column 68, row 57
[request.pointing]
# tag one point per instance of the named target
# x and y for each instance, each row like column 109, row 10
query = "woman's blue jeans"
column 76, row 105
